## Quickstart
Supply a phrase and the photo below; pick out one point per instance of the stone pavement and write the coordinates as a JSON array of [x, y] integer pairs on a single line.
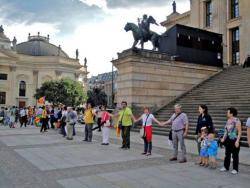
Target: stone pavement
[[29, 159]]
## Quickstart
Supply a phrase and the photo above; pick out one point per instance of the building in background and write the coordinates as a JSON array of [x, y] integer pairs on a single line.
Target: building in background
[[104, 81], [25, 66], [227, 17]]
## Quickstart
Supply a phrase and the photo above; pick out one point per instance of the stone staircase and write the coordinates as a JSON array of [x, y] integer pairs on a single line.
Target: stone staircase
[[229, 88]]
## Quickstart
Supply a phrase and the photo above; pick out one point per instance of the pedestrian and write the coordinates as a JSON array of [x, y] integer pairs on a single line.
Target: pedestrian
[[16, 114], [2, 115], [63, 121], [44, 120], [231, 141], [106, 125], [7, 117], [89, 115], [179, 127], [52, 118], [99, 113], [147, 121], [76, 116], [204, 120], [30, 115], [71, 120], [12, 117], [126, 118], [248, 131], [23, 117]]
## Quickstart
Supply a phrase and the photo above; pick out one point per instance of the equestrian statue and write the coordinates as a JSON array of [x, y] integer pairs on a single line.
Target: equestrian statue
[[142, 32]]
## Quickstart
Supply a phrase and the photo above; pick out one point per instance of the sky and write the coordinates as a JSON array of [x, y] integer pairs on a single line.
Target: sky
[[95, 27]]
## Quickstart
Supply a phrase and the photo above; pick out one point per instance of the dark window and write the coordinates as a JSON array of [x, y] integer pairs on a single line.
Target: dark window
[[235, 10], [208, 13], [22, 89], [2, 97], [3, 76], [236, 45]]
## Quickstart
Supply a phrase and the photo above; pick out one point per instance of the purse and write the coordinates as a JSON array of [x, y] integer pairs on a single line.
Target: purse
[[107, 123], [142, 130]]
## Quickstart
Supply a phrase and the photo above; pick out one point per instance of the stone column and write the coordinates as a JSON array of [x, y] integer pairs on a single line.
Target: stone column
[[12, 88]]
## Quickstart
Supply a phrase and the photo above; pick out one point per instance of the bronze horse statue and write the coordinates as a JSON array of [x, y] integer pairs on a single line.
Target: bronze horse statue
[[142, 32], [138, 36]]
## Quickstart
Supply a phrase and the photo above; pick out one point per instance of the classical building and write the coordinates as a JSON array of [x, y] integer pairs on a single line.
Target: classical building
[[25, 66], [227, 17], [105, 81]]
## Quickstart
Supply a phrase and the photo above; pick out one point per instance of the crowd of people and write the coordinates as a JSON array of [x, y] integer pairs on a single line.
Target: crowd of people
[[208, 140]]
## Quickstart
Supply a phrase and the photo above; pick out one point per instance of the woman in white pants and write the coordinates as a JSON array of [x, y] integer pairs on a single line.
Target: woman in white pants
[[106, 125]]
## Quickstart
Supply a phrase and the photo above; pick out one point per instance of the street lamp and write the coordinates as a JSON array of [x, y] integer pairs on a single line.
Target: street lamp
[[112, 90]]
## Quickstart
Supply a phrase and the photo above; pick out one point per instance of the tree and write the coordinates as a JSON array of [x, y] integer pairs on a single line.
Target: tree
[[64, 91], [97, 97]]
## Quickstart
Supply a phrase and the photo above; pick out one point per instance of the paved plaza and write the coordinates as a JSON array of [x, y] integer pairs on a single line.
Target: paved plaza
[[29, 159]]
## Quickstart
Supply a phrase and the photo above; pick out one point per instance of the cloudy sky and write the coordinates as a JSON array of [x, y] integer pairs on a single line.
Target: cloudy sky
[[95, 27]]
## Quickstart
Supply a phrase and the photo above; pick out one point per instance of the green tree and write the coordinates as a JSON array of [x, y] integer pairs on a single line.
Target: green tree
[[65, 91], [97, 97]]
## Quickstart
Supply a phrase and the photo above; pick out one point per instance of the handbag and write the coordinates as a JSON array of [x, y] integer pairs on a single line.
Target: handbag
[[107, 123], [170, 135], [142, 130], [120, 122]]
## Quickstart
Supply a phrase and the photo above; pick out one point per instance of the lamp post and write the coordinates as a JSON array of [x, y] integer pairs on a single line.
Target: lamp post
[[112, 87]]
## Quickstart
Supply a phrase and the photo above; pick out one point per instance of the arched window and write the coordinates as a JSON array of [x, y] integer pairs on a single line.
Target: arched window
[[22, 88]]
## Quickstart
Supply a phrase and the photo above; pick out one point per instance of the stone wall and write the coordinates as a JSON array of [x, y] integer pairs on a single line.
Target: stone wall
[[147, 78]]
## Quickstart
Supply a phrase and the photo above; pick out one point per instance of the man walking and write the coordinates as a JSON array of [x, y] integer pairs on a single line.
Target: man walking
[[179, 122], [126, 119], [71, 121]]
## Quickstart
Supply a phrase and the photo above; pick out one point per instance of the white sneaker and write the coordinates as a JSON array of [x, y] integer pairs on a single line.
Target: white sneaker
[[234, 172], [223, 169]]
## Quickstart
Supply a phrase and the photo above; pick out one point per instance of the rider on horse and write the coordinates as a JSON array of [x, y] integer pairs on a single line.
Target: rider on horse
[[144, 26]]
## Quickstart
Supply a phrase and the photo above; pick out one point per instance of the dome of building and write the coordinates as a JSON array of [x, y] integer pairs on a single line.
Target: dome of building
[[39, 46]]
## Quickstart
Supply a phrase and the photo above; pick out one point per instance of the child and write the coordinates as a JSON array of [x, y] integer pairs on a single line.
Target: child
[[147, 120], [203, 153], [212, 150]]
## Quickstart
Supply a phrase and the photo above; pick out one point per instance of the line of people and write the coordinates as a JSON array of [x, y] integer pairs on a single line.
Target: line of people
[[123, 119], [207, 140]]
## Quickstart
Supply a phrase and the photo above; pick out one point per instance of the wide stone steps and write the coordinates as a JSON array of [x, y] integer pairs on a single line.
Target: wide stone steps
[[229, 88]]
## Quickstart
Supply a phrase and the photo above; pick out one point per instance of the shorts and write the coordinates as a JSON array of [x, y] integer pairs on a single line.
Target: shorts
[[212, 153], [203, 153]]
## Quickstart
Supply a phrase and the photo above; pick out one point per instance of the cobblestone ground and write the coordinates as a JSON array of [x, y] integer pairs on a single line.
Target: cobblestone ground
[[29, 159]]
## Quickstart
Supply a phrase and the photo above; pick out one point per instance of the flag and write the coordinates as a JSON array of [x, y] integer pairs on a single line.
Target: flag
[[41, 100]]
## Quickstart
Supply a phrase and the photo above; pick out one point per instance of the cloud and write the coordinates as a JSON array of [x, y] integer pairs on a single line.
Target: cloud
[[67, 14], [138, 3]]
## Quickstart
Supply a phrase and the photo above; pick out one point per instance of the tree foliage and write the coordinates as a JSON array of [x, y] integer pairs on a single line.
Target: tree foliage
[[64, 91], [97, 97]]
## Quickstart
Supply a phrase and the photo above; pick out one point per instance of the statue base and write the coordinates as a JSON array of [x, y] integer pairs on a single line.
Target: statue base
[[149, 78]]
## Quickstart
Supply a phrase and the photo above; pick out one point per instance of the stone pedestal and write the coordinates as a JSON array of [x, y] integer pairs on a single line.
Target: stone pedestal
[[147, 78]]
